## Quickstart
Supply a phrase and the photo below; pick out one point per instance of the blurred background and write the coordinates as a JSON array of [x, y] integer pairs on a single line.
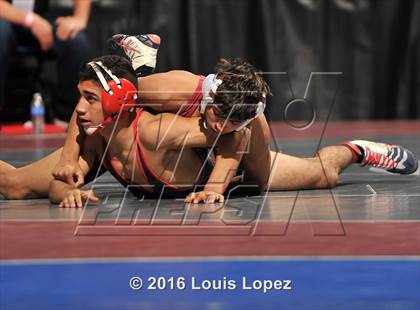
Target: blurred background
[[372, 44]]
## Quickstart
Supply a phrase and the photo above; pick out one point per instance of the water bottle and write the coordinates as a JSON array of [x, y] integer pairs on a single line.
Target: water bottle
[[37, 113]]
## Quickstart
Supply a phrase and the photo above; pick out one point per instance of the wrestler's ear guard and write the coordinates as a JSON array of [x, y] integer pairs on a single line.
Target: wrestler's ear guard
[[260, 110], [210, 85], [116, 93]]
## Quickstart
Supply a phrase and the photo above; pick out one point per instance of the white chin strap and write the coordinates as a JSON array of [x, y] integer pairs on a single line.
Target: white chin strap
[[92, 130], [209, 88]]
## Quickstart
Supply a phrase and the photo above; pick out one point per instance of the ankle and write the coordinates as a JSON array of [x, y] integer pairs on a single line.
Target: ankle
[[356, 151]]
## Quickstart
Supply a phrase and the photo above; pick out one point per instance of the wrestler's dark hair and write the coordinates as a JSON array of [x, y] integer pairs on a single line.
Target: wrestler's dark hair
[[242, 88], [118, 65]]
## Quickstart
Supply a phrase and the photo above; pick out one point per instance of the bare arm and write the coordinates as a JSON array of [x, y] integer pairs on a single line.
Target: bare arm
[[59, 189], [82, 10], [70, 26], [11, 14], [74, 136], [168, 91], [68, 169], [229, 151], [40, 28]]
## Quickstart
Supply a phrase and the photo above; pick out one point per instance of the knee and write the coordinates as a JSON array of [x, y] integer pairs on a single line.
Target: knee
[[328, 179], [14, 189], [332, 179]]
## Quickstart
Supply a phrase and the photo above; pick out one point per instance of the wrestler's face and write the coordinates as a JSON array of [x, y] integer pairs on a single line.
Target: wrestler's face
[[217, 123], [89, 108]]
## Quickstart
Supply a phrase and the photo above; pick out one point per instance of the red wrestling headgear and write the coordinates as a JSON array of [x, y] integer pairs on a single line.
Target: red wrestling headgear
[[117, 94]]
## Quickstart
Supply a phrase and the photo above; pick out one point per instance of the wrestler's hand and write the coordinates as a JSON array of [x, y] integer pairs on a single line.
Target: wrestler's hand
[[69, 27], [204, 196], [70, 172], [75, 198], [42, 30]]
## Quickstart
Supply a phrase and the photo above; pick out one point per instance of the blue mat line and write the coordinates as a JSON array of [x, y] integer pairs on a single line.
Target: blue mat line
[[315, 284]]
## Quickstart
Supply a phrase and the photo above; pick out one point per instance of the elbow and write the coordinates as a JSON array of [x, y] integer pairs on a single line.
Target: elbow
[[52, 196], [53, 192]]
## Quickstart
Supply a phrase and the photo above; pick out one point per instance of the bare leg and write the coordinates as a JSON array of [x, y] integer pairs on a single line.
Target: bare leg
[[292, 173], [31, 181], [277, 171]]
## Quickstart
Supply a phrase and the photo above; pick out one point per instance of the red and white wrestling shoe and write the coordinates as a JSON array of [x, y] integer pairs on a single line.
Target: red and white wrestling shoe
[[141, 50], [393, 158]]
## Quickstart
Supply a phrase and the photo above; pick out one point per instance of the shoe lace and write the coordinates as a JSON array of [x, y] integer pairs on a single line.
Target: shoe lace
[[376, 159], [131, 49]]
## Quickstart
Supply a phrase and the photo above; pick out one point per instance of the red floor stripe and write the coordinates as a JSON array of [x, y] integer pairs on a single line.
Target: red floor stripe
[[19, 129], [36, 240]]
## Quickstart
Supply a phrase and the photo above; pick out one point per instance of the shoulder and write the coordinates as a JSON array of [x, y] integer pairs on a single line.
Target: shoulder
[[147, 126]]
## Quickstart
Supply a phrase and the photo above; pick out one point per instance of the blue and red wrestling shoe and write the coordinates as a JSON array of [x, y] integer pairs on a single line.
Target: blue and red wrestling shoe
[[141, 50], [393, 158]]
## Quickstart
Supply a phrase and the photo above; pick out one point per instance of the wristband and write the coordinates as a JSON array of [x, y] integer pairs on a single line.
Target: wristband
[[29, 20]]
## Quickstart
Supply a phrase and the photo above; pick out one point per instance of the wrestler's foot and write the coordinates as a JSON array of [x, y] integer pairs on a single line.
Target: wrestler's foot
[[141, 50], [393, 158]]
